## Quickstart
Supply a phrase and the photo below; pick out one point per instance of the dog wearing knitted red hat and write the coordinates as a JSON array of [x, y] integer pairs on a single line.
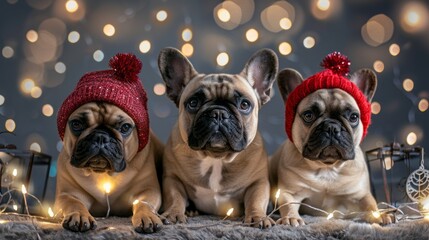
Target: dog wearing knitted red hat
[[108, 149], [321, 163]]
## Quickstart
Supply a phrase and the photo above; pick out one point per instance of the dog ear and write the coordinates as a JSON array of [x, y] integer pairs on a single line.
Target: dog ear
[[288, 79], [261, 70], [176, 71], [366, 80]]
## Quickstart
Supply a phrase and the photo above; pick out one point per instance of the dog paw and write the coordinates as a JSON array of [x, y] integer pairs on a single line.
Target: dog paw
[[174, 216], [383, 219], [146, 222], [292, 221], [192, 213], [79, 222], [259, 221]]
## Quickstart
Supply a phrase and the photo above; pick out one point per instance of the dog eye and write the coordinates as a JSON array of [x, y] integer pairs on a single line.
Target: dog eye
[[308, 116], [245, 105], [193, 103], [76, 126], [354, 117], [126, 128]]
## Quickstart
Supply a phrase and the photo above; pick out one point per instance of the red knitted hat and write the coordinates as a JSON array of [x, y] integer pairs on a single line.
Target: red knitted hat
[[120, 86], [334, 76]]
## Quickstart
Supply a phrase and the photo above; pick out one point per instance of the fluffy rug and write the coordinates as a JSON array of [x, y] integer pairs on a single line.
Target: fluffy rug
[[209, 227]]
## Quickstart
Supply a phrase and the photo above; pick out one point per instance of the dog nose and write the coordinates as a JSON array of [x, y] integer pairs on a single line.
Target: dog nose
[[101, 138], [219, 114], [332, 128]]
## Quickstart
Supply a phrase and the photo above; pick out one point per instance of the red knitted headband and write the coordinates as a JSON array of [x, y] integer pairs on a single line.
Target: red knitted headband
[[336, 68]]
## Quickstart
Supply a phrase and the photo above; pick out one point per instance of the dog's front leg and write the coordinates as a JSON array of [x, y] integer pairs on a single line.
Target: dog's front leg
[[145, 218], [289, 209], [76, 215], [255, 204], [174, 200], [369, 205]]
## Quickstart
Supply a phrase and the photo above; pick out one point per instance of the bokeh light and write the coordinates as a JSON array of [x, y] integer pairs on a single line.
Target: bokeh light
[[159, 89], [47, 110], [285, 48], [98, 55], [411, 138], [7, 52], [223, 15], [278, 16], [32, 36], [187, 35], [222, 59], [285, 23], [423, 105], [375, 108], [414, 17], [10, 125], [227, 15], [60, 67], [408, 85], [2, 99], [394, 49], [45, 49], [378, 66], [73, 37], [144, 46], [309, 42], [252, 35], [36, 92], [35, 147], [187, 49], [378, 30], [109, 30], [71, 6], [323, 5], [26, 85], [161, 15], [324, 9]]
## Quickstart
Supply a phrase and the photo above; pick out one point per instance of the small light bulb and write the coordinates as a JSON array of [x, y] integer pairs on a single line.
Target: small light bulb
[[50, 212], [278, 194], [107, 187], [15, 207], [426, 217], [136, 201], [331, 215], [23, 189], [376, 214], [426, 206], [15, 172], [229, 212]]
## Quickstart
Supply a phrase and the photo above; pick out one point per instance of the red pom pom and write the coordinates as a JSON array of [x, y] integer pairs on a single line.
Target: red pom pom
[[126, 65], [336, 62]]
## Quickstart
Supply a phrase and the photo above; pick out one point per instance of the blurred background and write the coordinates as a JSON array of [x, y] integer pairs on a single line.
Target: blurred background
[[47, 45]]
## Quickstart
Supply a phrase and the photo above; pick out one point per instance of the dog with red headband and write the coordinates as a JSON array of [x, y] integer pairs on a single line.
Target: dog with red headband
[[321, 163]]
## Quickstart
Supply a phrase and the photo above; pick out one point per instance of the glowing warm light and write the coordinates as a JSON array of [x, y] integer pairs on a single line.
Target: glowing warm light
[[35, 147], [159, 89], [26, 85], [73, 37], [23, 189], [414, 17], [330, 215], [14, 172], [36, 92], [323, 5], [47, 110], [252, 35], [426, 217], [378, 66], [186, 34], [376, 214], [107, 187], [423, 105], [223, 15], [378, 30], [408, 85], [60, 67], [3, 221], [230, 211], [109, 30], [7, 52], [15, 207], [222, 59], [2, 99], [278, 194], [161, 15], [285, 23], [388, 162], [32, 36], [411, 138], [187, 49], [72, 6], [98, 55], [394, 49], [144, 46], [10, 125], [375, 108], [285, 48], [309, 42], [50, 212], [136, 201]]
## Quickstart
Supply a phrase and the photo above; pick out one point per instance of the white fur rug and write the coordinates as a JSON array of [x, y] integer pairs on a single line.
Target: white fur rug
[[209, 227]]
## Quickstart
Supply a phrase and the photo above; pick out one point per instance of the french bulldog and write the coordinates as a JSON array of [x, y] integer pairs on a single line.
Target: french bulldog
[[324, 165], [214, 157]]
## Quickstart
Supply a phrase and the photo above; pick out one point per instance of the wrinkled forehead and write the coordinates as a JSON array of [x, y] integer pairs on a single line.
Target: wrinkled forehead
[[100, 112], [328, 100], [216, 86]]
